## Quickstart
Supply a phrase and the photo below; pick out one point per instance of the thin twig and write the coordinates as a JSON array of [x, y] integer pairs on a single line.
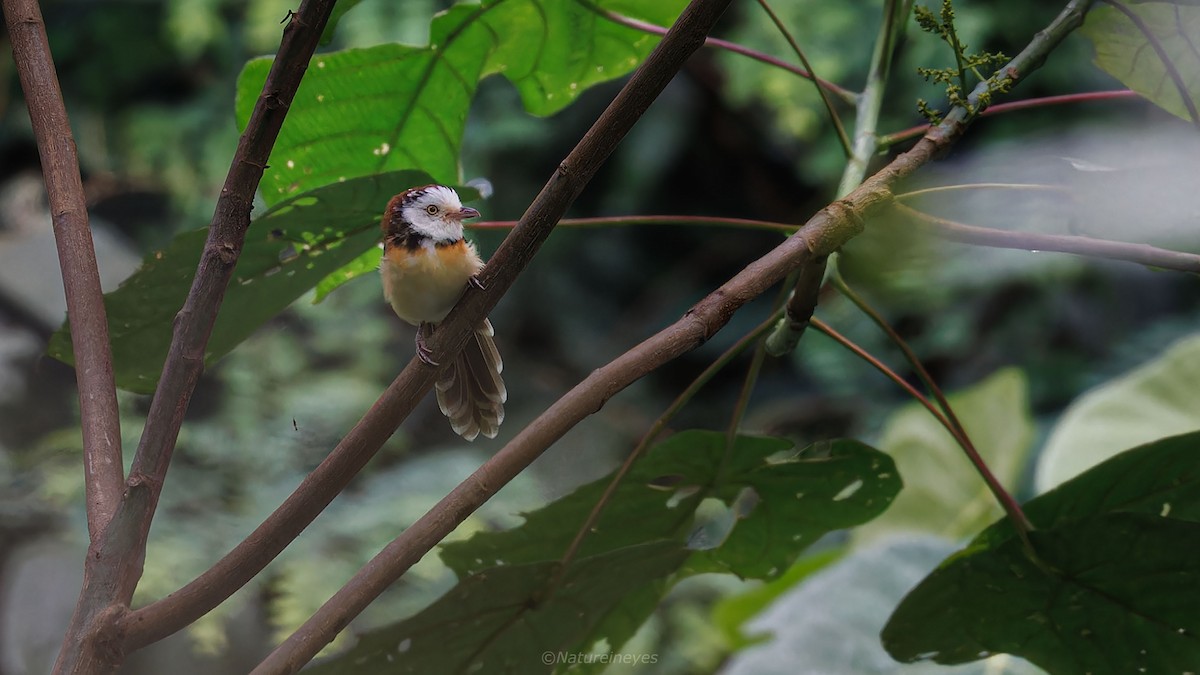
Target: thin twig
[[909, 355], [1024, 104], [845, 94], [665, 418], [1021, 524], [625, 221], [829, 109], [114, 562], [1142, 254], [951, 421], [892, 375], [103, 469], [1033, 187]]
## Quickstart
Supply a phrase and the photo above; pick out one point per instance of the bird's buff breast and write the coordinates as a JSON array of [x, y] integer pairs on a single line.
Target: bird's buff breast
[[423, 284]]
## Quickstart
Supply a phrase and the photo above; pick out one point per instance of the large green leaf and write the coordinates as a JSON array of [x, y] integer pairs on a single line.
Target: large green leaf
[[1128, 51], [942, 492], [1160, 478], [288, 250], [1116, 593], [782, 501], [1113, 588], [1154, 400], [389, 107], [777, 502], [490, 623]]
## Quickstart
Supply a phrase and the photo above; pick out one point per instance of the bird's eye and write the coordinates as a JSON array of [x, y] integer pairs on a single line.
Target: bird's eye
[[432, 209]]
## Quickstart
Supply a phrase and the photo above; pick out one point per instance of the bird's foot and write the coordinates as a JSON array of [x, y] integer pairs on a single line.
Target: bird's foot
[[423, 351]]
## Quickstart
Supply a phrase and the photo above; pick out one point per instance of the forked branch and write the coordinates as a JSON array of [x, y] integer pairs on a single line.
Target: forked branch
[[114, 563]]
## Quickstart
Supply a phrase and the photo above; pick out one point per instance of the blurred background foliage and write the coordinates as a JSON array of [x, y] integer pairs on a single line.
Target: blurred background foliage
[[150, 88]]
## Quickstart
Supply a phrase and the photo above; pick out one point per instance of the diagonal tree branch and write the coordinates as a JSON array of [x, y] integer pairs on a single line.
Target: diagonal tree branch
[[318, 489], [114, 561], [823, 234], [103, 469]]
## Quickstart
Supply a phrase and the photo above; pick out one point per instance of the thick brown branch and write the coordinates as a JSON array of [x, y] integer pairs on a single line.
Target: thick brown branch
[[1143, 254], [104, 472], [162, 618], [114, 562]]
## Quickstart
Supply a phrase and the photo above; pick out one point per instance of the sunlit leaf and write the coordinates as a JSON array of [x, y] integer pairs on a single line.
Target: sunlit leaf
[[364, 264], [1154, 400], [943, 494], [1128, 51], [288, 250], [390, 107]]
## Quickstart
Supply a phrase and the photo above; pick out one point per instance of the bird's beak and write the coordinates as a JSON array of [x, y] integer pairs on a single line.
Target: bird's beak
[[467, 212]]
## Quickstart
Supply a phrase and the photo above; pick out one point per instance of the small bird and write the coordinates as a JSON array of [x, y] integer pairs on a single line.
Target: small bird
[[426, 267]]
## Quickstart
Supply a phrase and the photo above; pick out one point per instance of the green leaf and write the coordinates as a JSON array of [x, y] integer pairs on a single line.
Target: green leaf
[[1127, 52], [389, 107], [490, 623], [364, 264], [789, 500], [1115, 593], [1160, 478], [782, 506], [1155, 400], [776, 502], [288, 250], [1116, 578], [943, 494]]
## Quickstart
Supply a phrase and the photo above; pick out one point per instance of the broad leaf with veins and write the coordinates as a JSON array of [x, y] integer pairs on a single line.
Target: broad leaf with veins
[[393, 106], [288, 250], [691, 505]]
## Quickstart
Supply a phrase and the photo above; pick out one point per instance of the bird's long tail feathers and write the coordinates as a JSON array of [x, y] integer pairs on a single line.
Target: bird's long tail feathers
[[470, 391]]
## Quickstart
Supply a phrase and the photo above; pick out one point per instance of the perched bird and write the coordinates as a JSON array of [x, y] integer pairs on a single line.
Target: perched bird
[[426, 267]]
